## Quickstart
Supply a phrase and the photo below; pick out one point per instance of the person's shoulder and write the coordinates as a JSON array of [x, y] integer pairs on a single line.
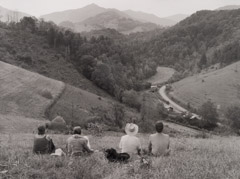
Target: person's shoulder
[[48, 137], [166, 135], [152, 135], [136, 138], [86, 137], [124, 136], [69, 138]]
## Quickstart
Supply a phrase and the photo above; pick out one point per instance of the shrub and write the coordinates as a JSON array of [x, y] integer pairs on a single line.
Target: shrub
[[58, 124], [46, 94], [209, 113], [233, 114], [132, 99]]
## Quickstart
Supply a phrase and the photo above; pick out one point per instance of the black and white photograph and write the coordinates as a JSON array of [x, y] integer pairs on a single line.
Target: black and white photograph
[[119, 89]]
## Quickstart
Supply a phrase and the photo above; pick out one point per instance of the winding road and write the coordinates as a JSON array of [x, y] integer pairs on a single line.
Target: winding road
[[176, 107]]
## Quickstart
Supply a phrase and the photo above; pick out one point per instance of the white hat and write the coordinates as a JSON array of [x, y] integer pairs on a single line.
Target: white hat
[[58, 152], [131, 129]]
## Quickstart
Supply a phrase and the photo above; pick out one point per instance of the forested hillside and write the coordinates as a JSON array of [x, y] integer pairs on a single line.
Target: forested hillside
[[203, 39], [109, 63]]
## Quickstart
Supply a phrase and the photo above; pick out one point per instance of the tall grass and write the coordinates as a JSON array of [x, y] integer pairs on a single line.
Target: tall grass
[[190, 158]]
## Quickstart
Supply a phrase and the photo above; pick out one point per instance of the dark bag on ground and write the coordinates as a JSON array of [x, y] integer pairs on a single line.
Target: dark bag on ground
[[113, 156]]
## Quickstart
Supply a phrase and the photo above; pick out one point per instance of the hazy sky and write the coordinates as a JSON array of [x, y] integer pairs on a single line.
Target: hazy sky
[[160, 8]]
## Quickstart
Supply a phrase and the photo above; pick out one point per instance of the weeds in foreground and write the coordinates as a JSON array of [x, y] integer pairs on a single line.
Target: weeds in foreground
[[213, 157]]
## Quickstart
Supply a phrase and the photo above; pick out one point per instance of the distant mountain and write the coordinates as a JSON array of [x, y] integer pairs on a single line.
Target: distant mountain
[[145, 17], [229, 7], [74, 15], [81, 14], [111, 19], [10, 15], [177, 17]]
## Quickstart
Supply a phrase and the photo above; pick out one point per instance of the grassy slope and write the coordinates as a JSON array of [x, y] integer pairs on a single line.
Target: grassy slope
[[163, 75], [79, 105], [210, 158], [17, 45], [22, 92], [22, 95], [221, 86]]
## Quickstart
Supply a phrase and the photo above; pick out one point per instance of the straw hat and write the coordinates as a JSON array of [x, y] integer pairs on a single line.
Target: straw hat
[[131, 129]]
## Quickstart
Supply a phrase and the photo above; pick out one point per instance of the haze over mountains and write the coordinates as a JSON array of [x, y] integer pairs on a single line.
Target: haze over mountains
[[93, 17], [229, 7], [7, 15]]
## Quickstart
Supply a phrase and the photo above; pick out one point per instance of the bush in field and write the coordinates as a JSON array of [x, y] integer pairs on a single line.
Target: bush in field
[[233, 113], [132, 99], [46, 94], [209, 113], [58, 124]]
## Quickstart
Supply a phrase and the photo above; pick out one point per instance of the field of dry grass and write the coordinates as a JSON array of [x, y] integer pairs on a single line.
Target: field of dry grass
[[221, 86], [211, 158], [79, 106], [33, 96], [24, 93], [163, 74]]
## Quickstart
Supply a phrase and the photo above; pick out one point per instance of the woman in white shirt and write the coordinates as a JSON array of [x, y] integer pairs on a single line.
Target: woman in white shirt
[[129, 143]]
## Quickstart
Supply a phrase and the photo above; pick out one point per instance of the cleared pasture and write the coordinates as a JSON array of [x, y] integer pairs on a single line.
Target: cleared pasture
[[24, 93], [163, 74], [221, 87]]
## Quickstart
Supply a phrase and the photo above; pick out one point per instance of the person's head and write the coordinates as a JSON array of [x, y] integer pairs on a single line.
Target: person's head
[[131, 129], [159, 126], [77, 130], [41, 130]]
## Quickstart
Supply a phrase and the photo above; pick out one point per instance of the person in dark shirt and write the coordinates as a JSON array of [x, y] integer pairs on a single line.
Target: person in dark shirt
[[43, 144]]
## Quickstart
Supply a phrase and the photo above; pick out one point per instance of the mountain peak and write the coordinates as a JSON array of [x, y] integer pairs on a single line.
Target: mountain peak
[[93, 5]]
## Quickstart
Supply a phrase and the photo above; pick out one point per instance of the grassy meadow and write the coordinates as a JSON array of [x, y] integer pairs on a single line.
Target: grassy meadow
[[24, 93], [190, 157], [163, 74], [220, 86]]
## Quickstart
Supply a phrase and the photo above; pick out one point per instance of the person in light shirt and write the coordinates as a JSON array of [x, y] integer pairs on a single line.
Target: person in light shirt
[[129, 143], [159, 143]]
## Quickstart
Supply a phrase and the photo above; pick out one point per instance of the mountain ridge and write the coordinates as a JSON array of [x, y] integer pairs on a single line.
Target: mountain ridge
[[110, 19], [81, 14]]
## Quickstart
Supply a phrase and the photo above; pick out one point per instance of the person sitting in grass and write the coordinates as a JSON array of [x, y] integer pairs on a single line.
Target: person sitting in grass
[[130, 143], [159, 142], [43, 144], [77, 144]]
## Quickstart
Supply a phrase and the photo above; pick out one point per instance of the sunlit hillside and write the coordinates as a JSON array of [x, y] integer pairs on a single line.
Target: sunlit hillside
[[24, 93], [220, 86]]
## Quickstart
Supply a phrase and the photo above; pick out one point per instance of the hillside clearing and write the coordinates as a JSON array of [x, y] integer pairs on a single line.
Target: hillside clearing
[[24, 93], [163, 74], [76, 105], [221, 87], [14, 124], [210, 158]]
